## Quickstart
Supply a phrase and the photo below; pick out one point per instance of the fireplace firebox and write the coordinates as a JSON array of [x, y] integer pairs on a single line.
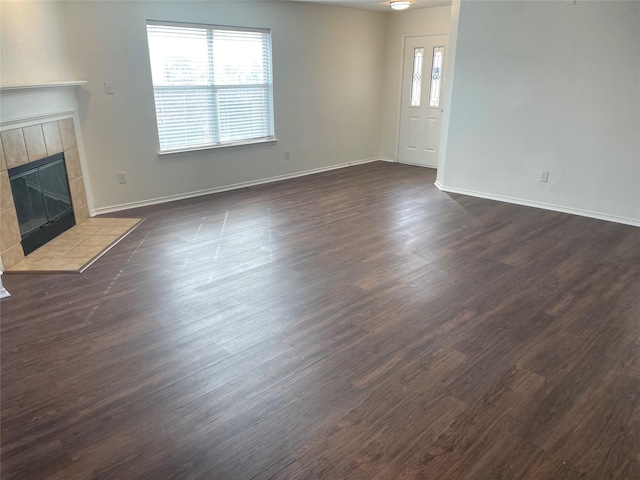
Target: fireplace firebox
[[43, 204]]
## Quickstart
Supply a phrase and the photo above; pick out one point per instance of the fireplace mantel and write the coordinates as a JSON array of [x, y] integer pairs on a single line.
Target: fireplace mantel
[[35, 103], [40, 86]]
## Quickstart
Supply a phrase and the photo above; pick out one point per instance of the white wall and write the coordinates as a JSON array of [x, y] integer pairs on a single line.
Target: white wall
[[327, 86], [412, 21], [33, 45], [548, 86]]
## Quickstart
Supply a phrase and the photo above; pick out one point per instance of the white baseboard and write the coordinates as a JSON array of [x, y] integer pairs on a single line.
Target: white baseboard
[[388, 159], [545, 206], [225, 188]]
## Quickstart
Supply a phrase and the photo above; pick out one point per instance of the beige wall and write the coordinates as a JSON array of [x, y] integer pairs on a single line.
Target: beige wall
[[336, 77], [327, 89], [419, 21], [33, 44], [547, 86]]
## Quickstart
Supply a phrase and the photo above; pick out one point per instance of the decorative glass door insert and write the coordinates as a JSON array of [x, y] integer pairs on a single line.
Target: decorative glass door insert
[[416, 78], [436, 76]]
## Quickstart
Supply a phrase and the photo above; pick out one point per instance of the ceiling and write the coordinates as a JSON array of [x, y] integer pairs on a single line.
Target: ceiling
[[379, 5]]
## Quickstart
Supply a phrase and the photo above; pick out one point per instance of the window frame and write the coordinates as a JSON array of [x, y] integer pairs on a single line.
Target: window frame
[[246, 142]]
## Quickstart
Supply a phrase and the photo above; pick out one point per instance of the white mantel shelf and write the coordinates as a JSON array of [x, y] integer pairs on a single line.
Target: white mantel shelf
[[24, 105], [40, 86]]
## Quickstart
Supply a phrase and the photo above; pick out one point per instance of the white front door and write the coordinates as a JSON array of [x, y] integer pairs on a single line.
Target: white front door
[[421, 103]]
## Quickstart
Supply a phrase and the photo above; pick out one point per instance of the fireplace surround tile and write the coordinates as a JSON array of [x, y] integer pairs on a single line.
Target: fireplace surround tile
[[78, 193], [52, 138], [6, 198], [34, 140], [3, 162], [15, 150], [68, 133], [72, 161], [10, 230], [81, 213], [12, 255]]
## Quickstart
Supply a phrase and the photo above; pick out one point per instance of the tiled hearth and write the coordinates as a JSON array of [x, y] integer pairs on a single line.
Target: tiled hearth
[[25, 145], [77, 248]]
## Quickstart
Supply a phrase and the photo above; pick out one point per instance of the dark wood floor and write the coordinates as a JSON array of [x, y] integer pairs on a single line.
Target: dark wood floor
[[355, 324]]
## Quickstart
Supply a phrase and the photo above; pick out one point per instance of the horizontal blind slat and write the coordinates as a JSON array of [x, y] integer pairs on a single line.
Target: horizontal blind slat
[[211, 85]]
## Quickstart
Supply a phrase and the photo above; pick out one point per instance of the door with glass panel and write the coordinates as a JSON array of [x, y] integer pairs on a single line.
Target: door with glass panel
[[422, 94]]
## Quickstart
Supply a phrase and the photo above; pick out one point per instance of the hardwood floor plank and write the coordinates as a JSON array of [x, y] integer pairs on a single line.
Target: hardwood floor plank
[[608, 424], [353, 324]]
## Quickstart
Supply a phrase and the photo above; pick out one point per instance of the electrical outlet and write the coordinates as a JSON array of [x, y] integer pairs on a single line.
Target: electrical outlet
[[287, 154], [122, 177], [544, 176], [108, 88]]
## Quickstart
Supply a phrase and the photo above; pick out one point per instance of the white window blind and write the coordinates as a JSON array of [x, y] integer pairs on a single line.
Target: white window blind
[[212, 85]]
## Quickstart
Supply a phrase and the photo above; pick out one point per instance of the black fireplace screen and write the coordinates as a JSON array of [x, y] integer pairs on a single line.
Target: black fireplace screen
[[43, 204]]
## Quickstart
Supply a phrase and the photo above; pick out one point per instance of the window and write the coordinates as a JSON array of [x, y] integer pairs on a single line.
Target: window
[[436, 77], [416, 77], [212, 85]]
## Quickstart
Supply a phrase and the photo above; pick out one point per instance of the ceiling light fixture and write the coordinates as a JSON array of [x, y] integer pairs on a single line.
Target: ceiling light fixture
[[399, 5]]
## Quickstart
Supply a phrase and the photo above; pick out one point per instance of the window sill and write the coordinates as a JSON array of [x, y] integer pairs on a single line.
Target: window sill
[[206, 148]]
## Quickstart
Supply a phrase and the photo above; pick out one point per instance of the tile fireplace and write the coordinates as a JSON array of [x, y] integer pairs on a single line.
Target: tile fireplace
[[38, 122]]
